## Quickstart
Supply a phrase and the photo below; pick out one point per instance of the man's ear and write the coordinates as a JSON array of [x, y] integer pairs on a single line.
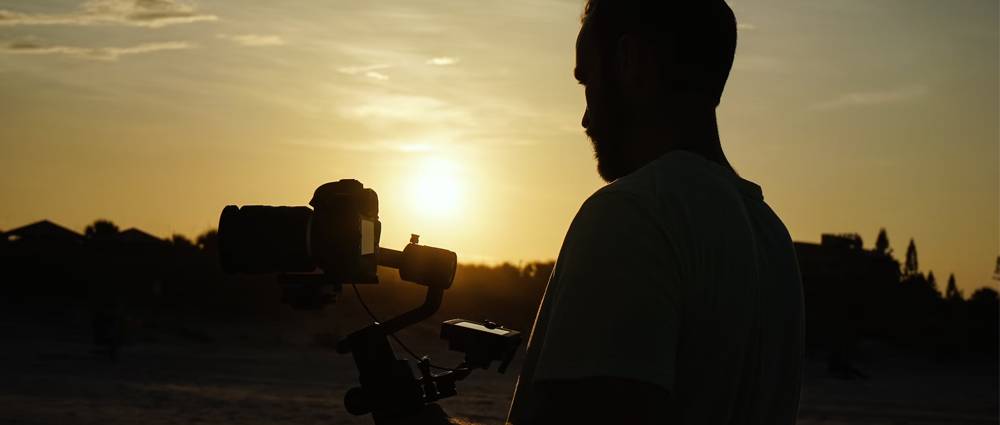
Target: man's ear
[[634, 65]]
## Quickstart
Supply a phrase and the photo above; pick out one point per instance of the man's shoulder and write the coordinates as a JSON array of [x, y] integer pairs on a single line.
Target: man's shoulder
[[669, 181]]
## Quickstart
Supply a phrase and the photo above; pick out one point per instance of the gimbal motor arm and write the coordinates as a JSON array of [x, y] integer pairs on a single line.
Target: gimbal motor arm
[[388, 386]]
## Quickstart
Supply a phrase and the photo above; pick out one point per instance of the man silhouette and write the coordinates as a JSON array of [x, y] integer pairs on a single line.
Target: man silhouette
[[676, 297]]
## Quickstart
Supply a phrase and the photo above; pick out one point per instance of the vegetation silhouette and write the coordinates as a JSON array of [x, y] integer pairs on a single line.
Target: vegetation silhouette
[[882, 243], [100, 229], [129, 280], [996, 270], [952, 293]]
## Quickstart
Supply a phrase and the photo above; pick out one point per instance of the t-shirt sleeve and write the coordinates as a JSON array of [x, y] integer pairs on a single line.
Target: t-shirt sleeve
[[617, 296]]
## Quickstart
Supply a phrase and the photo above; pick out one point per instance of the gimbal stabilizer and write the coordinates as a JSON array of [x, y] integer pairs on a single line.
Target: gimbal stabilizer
[[341, 237]]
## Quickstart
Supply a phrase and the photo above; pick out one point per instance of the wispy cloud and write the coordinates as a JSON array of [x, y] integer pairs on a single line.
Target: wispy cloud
[[97, 53], [875, 98], [254, 40], [392, 111], [443, 61], [354, 70], [378, 146], [140, 13], [366, 70]]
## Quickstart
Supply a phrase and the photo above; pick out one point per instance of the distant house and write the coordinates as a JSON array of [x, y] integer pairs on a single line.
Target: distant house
[[135, 236], [850, 241], [841, 260], [846, 288], [43, 232]]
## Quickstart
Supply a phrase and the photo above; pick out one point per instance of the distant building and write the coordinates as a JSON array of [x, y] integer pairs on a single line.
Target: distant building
[[846, 288], [836, 255], [43, 232], [135, 236], [848, 241]]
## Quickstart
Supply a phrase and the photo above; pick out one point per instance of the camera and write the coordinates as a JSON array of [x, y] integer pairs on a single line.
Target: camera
[[334, 241], [339, 236]]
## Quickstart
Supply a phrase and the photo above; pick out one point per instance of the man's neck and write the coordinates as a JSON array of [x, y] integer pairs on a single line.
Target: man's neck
[[698, 135]]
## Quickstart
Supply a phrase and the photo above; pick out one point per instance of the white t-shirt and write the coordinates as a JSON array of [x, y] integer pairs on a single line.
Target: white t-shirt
[[681, 276]]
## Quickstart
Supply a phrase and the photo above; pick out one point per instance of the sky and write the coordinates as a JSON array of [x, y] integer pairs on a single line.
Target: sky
[[853, 115]]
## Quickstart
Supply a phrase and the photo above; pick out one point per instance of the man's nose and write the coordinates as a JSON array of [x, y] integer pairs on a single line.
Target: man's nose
[[586, 118]]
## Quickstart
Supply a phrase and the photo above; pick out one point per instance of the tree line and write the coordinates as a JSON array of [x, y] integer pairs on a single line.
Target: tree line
[[864, 294]]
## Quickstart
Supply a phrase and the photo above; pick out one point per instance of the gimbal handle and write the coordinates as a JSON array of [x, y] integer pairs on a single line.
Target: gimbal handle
[[423, 265], [388, 386], [430, 306]]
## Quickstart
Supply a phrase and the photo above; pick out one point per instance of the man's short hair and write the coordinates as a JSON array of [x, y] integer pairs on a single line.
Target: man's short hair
[[701, 33]]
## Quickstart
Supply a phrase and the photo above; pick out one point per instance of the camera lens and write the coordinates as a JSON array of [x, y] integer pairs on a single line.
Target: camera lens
[[265, 239]]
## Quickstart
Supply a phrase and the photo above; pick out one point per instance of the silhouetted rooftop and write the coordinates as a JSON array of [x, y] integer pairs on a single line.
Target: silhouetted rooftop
[[136, 236], [43, 230]]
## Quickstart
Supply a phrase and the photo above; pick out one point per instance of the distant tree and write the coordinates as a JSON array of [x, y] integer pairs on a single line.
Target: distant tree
[[208, 244], [985, 294], [923, 290], [911, 266], [984, 306], [100, 229], [882, 244], [181, 242], [952, 293], [996, 271], [208, 241]]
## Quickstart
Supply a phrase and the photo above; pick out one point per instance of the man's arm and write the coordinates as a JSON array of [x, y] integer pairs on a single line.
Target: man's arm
[[610, 343], [609, 350]]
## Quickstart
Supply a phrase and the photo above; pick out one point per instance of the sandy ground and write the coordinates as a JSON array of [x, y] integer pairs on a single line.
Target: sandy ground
[[51, 375]]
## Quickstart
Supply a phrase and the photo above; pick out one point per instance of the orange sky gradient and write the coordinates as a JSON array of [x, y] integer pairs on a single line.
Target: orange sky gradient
[[852, 115]]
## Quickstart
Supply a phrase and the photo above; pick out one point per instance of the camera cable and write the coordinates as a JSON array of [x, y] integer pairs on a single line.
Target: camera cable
[[393, 336]]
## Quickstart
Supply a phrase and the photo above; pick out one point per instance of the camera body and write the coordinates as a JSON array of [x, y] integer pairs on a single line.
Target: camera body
[[339, 235], [345, 231]]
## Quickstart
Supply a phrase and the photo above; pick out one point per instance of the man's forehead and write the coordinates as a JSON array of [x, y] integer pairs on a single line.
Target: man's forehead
[[585, 47]]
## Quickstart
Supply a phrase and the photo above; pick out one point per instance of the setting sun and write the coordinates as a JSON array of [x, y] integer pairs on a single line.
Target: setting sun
[[436, 189]]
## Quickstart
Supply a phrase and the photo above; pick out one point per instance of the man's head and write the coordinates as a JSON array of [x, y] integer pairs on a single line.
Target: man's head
[[650, 63]]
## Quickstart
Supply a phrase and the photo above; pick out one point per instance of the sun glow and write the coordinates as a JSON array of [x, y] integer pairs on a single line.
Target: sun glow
[[436, 189]]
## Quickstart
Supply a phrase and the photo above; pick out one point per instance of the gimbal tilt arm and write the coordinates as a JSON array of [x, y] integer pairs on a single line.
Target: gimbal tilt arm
[[388, 387]]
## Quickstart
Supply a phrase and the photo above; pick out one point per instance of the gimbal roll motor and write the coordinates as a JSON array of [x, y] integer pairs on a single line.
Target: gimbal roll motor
[[339, 236]]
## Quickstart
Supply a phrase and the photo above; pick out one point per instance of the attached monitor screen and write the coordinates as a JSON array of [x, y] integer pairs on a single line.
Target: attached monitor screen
[[478, 327]]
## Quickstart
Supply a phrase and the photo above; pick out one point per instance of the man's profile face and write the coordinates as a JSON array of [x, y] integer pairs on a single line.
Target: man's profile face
[[603, 117]]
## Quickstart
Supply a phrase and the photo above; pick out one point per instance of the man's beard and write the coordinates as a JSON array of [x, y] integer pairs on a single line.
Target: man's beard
[[607, 134]]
